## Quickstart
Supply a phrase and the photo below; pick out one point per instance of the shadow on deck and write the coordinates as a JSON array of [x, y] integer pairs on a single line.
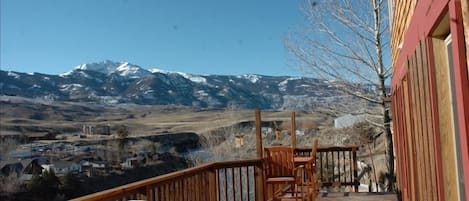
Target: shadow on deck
[[357, 197], [346, 196]]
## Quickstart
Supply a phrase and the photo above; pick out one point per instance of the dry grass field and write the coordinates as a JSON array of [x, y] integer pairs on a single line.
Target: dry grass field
[[24, 116]]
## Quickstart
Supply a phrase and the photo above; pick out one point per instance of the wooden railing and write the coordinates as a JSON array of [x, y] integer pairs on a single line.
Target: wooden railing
[[335, 165], [231, 181], [221, 181]]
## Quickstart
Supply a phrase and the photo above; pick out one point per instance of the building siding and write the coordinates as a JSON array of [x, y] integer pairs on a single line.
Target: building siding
[[402, 14], [430, 136]]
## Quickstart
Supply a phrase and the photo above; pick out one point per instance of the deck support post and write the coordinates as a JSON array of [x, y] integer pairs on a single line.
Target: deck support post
[[258, 133], [293, 130], [258, 172]]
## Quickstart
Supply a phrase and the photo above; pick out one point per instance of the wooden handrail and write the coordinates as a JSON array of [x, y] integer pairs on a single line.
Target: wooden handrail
[[142, 183], [324, 149], [123, 191]]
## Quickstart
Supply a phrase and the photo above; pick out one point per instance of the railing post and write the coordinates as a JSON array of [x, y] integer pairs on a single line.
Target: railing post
[[258, 172], [293, 130], [259, 177], [258, 133]]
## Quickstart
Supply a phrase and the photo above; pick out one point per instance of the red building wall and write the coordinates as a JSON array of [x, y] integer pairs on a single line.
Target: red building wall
[[431, 141]]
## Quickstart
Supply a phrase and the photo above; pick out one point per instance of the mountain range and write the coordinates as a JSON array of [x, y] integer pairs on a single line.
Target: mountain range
[[111, 82]]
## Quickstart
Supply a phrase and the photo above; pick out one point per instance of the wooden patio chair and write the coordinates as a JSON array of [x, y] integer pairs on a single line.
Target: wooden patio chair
[[312, 183], [280, 170]]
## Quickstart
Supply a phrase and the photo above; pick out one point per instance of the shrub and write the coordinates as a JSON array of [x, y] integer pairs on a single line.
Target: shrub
[[45, 185], [10, 184]]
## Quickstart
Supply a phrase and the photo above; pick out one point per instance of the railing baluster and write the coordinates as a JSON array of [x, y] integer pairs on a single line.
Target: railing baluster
[[197, 187], [255, 187], [233, 181], [173, 191], [351, 171], [240, 184], [345, 171], [322, 169], [201, 186], [334, 166], [192, 188], [176, 191], [181, 189], [184, 189], [218, 185], [226, 184], [166, 192], [158, 195], [355, 173], [204, 186], [248, 190], [338, 165]]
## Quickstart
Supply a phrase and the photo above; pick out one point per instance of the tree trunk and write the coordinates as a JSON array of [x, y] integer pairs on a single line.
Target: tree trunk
[[374, 167], [389, 150]]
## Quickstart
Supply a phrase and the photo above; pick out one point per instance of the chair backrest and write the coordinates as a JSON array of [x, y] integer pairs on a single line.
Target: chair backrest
[[279, 161]]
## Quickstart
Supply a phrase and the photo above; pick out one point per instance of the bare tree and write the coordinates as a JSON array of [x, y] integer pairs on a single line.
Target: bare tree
[[7, 144], [122, 131], [347, 42]]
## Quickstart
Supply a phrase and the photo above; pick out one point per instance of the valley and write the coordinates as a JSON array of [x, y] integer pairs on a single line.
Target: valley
[[111, 123]]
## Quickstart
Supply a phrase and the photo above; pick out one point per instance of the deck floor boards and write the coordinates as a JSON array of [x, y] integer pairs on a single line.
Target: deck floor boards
[[357, 197], [353, 197]]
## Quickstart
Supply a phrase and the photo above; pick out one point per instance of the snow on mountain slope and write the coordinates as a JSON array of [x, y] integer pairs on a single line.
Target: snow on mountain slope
[[157, 70], [252, 78], [132, 71], [193, 78], [124, 69], [122, 82]]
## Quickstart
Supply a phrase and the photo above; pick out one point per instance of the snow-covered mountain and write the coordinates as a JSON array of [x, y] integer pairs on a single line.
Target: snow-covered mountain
[[121, 82], [108, 67]]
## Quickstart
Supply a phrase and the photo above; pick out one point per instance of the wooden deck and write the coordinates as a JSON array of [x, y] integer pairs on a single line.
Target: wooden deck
[[357, 197], [354, 197]]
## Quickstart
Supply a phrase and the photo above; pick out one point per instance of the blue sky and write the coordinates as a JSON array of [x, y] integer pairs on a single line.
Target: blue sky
[[194, 36]]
